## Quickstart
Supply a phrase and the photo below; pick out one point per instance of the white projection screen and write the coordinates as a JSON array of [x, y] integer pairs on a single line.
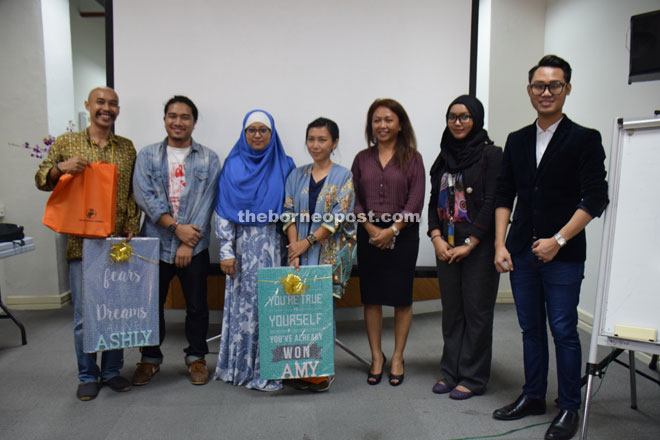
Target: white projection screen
[[297, 59]]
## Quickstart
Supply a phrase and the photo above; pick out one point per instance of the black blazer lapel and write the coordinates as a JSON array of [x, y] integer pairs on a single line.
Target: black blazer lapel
[[529, 148], [555, 143]]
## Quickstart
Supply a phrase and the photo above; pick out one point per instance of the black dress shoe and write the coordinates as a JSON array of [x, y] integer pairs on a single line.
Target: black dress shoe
[[564, 426], [88, 391], [522, 407]]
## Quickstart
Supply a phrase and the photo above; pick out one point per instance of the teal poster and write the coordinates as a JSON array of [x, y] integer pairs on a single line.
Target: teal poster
[[296, 323]]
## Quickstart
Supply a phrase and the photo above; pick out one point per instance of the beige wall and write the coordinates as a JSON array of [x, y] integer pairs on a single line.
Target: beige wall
[[88, 48], [516, 31], [30, 278], [516, 44], [592, 35]]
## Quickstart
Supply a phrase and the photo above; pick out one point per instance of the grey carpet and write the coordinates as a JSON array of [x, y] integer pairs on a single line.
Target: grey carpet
[[38, 384]]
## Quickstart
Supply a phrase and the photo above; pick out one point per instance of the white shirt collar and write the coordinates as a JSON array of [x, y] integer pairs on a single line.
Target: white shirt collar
[[550, 129]]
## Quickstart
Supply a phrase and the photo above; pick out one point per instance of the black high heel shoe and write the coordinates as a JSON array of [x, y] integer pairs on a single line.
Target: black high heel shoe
[[397, 377], [374, 379]]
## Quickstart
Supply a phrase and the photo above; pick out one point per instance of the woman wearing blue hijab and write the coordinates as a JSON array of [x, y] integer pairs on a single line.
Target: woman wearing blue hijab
[[250, 196]]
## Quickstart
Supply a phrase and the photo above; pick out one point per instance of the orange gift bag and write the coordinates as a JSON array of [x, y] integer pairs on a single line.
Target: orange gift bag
[[84, 204]]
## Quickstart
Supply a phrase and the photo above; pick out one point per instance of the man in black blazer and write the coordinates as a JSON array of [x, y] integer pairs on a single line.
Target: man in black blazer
[[555, 169]]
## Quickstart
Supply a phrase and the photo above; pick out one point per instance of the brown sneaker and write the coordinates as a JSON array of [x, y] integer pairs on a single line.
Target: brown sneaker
[[322, 386], [199, 375], [144, 372]]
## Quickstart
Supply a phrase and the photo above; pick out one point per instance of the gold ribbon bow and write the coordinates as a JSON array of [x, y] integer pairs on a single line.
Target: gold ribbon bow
[[121, 252], [293, 284]]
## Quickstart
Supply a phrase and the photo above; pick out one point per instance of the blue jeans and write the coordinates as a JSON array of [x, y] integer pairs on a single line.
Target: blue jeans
[[111, 361], [553, 290]]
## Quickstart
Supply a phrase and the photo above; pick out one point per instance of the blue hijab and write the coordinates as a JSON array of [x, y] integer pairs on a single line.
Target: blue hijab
[[253, 180]]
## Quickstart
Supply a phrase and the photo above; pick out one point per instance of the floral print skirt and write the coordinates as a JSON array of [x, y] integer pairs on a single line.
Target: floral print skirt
[[238, 358]]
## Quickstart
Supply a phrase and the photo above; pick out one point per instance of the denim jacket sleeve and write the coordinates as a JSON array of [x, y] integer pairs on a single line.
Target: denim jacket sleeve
[[148, 185], [202, 207]]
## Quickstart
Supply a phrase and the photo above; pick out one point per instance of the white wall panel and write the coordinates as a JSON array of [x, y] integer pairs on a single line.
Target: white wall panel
[[296, 59]]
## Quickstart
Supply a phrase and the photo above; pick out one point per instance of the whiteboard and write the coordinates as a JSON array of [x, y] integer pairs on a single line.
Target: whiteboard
[[297, 59], [629, 279]]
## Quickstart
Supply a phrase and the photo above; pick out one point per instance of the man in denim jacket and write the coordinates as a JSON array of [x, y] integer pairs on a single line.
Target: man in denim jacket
[[175, 184]]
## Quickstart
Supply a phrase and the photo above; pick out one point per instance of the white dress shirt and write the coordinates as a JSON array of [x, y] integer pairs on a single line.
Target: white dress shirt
[[543, 138]]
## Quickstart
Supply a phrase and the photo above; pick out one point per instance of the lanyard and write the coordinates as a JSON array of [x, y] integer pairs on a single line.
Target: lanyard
[[451, 200]]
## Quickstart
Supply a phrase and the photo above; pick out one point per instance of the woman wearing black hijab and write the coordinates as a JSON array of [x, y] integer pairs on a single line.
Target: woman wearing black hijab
[[463, 180]]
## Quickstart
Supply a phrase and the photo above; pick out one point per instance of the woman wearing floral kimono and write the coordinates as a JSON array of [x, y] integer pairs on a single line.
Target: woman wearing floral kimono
[[319, 196]]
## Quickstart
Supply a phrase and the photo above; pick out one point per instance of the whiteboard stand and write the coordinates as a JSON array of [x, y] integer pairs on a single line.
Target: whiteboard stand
[[628, 271], [351, 352]]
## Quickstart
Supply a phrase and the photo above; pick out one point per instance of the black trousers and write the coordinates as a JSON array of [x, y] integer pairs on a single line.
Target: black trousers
[[193, 283], [468, 290]]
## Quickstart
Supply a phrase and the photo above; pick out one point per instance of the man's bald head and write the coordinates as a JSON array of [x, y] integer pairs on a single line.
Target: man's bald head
[[108, 90], [103, 107]]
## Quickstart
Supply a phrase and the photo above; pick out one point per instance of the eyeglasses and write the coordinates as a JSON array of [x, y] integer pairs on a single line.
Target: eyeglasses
[[463, 117], [555, 88], [262, 131]]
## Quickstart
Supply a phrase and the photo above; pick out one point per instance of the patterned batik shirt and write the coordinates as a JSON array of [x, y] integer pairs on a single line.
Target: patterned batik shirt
[[117, 150]]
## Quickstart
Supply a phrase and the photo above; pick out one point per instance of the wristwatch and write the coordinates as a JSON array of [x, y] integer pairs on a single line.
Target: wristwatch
[[561, 241], [172, 227], [395, 229], [468, 242]]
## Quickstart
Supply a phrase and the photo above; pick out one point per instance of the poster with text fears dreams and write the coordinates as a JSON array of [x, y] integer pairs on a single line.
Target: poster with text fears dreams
[[296, 323], [120, 293]]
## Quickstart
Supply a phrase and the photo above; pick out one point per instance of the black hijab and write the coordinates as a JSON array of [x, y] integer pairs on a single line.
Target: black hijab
[[455, 154]]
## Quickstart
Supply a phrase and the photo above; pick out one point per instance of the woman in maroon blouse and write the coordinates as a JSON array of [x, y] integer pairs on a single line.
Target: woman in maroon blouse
[[389, 187]]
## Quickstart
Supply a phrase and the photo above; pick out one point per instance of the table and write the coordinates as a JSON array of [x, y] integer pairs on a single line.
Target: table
[[9, 249]]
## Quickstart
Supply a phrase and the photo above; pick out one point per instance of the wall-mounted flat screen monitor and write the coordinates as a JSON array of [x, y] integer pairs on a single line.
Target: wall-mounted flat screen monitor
[[644, 47]]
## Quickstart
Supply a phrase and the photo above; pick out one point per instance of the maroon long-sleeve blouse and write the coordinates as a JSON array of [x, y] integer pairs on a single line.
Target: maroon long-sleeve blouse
[[388, 190]]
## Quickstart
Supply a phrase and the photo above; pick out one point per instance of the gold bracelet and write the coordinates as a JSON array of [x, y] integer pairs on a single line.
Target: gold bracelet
[[311, 239]]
